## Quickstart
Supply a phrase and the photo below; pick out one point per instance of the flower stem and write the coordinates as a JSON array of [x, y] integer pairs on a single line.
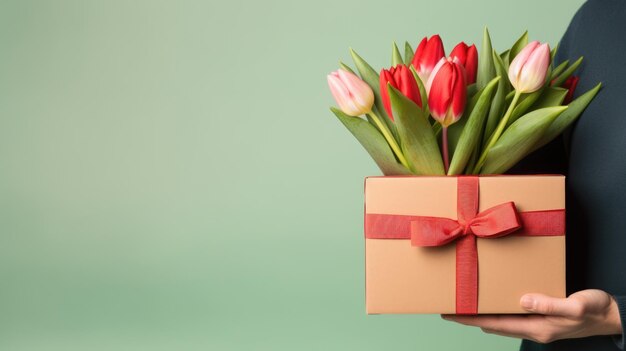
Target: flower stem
[[497, 133], [390, 139], [444, 143]]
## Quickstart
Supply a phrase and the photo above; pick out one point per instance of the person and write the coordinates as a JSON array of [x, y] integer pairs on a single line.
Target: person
[[592, 155]]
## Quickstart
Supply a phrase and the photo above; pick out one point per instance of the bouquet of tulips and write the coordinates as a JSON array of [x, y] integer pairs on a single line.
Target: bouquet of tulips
[[489, 109]]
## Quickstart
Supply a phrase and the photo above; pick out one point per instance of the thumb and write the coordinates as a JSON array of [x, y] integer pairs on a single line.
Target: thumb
[[543, 304]]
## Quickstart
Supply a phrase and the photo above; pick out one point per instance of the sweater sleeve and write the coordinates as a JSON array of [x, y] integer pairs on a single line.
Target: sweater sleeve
[[621, 305]]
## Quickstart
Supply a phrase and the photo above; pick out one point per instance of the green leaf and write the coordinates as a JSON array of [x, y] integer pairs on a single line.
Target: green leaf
[[436, 129], [345, 67], [558, 81], [518, 46], [455, 130], [496, 111], [418, 140], [471, 163], [525, 103], [472, 131], [574, 110], [486, 69], [370, 77], [505, 58], [373, 142], [422, 89], [472, 89], [553, 53], [408, 53], [518, 140], [551, 96], [559, 69], [396, 57]]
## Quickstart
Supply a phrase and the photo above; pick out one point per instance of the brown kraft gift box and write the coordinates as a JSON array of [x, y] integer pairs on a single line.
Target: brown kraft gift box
[[402, 277]]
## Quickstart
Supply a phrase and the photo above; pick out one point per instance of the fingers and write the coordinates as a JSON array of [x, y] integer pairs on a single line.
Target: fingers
[[543, 304], [495, 323], [531, 327]]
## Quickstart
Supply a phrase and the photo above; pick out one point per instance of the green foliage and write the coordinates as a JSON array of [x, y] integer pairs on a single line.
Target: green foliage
[[472, 131], [408, 53], [534, 120], [565, 119], [486, 69], [418, 140], [373, 142], [519, 139]]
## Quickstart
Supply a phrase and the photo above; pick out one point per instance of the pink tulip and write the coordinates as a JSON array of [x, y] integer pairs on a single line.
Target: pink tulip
[[528, 70], [447, 96], [427, 54], [353, 95]]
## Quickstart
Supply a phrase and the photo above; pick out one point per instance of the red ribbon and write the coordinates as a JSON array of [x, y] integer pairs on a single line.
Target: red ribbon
[[497, 221]]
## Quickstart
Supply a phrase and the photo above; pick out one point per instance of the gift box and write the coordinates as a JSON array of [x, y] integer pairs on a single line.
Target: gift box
[[465, 245]]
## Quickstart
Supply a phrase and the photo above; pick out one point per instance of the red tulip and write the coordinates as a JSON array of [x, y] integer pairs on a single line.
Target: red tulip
[[468, 56], [570, 84], [401, 78], [447, 95], [427, 54]]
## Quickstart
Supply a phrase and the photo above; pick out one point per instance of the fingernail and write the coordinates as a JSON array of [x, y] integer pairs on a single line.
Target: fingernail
[[527, 302]]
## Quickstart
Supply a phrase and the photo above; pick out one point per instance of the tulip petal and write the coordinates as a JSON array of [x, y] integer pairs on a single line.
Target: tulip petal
[[440, 94], [459, 92], [533, 73], [427, 55], [429, 81], [515, 68], [361, 94], [339, 91], [460, 51], [471, 64]]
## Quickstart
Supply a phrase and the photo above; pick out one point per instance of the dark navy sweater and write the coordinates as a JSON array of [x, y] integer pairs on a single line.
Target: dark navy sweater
[[592, 154]]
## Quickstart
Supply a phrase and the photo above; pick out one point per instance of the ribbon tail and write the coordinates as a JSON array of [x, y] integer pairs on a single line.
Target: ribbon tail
[[466, 275]]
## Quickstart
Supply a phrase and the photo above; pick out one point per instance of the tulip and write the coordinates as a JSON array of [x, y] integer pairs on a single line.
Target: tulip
[[401, 78], [446, 98], [570, 84], [356, 98], [447, 92], [353, 95], [528, 70], [468, 56], [427, 54], [527, 74]]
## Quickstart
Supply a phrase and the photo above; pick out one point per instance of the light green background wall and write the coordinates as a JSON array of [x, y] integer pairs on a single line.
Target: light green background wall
[[171, 177]]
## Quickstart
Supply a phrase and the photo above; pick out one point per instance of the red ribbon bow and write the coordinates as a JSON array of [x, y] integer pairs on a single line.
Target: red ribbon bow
[[494, 222], [497, 221]]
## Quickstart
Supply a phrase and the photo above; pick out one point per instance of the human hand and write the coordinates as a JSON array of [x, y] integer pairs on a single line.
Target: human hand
[[585, 313]]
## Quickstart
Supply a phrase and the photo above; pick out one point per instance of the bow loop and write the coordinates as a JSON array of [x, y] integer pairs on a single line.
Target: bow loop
[[494, 222]]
